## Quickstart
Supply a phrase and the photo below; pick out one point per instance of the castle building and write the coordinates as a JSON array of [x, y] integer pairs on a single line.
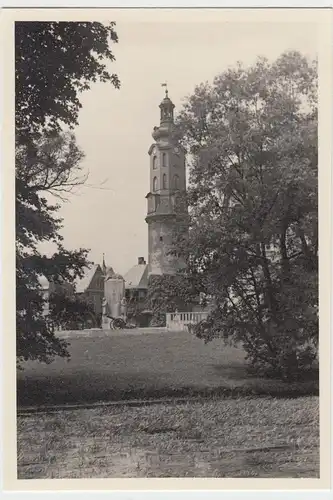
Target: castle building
[[136, 281], [166, 209], [91, 287], [167, 184]]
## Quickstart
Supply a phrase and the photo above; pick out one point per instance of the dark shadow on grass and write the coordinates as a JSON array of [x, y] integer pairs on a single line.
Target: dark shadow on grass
[[120, 368], [65, 390], [236, 371]]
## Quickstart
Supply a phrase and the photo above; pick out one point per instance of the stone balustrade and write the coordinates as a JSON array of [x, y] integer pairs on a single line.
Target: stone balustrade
[[180, 320]]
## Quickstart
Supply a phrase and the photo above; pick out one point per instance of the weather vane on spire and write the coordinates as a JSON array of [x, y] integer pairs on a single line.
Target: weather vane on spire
[[166, 88]]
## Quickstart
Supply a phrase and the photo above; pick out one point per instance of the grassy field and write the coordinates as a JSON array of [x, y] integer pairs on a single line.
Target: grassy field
[[135, 365], [246, 437]]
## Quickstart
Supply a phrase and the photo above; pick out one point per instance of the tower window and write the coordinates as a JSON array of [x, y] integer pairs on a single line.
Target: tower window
[[155, 162], [155, 184], [164, 160], [175, 182], [161, 238], [164, 181], [157, 202]]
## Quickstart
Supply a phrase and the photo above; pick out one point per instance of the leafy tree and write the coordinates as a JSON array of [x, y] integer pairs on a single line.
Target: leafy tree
[[168, 293], [54, 63], [253, 239], [72, 312]]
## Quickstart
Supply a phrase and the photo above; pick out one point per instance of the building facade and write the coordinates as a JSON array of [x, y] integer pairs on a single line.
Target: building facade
[[136, 281], [91, 288], [167, 185]]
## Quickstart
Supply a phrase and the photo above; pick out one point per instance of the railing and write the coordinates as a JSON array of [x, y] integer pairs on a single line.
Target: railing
[[180, 320]]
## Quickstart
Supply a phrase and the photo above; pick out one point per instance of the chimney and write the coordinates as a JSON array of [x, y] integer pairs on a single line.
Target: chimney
[[141, 261]]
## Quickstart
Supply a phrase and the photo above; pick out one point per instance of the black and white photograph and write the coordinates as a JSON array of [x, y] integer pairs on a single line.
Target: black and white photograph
[[167, 244]]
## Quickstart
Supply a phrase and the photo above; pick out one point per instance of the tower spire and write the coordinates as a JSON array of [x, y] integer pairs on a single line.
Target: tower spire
[[166, 88], [166, 107], [164, 199], [103, 264]]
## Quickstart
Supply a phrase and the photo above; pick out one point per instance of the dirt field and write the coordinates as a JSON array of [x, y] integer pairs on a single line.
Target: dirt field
[[261, 437]]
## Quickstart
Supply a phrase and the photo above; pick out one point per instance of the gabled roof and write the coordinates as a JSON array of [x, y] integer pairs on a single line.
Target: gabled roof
[[83, 283], [137, 277]]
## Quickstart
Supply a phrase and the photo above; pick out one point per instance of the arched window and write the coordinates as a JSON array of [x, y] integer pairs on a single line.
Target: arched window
[[175, 182], [164, 181], [164, 160], [155, 184], [155, 162]]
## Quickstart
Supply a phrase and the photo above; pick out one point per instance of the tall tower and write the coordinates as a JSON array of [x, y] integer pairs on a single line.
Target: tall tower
[[167, 183]]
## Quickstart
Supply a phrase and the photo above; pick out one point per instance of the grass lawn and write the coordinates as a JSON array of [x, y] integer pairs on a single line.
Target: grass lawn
[[135, 365], [246, 437]]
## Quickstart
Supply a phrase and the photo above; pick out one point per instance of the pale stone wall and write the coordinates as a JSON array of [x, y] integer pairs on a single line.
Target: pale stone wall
[[167, 177], [114, 291], [159, 261]]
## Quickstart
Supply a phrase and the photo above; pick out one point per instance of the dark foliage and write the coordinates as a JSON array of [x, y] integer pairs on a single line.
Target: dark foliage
[[253, 238], [168, 293], [54, 62], [72, 312]]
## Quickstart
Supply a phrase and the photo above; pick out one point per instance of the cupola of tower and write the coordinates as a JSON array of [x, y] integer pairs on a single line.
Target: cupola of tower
[[166, 118], [166, 108]]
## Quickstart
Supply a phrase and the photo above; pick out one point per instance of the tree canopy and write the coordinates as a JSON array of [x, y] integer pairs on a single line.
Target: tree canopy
[[72, 312], [251, 137], [54, 63], [168, 293]]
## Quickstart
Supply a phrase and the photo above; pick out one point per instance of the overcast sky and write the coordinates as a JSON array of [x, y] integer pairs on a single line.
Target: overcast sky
[[116, 125]]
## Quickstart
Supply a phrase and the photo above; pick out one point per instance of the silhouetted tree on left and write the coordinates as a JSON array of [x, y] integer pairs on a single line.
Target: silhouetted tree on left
[[54, 62]]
